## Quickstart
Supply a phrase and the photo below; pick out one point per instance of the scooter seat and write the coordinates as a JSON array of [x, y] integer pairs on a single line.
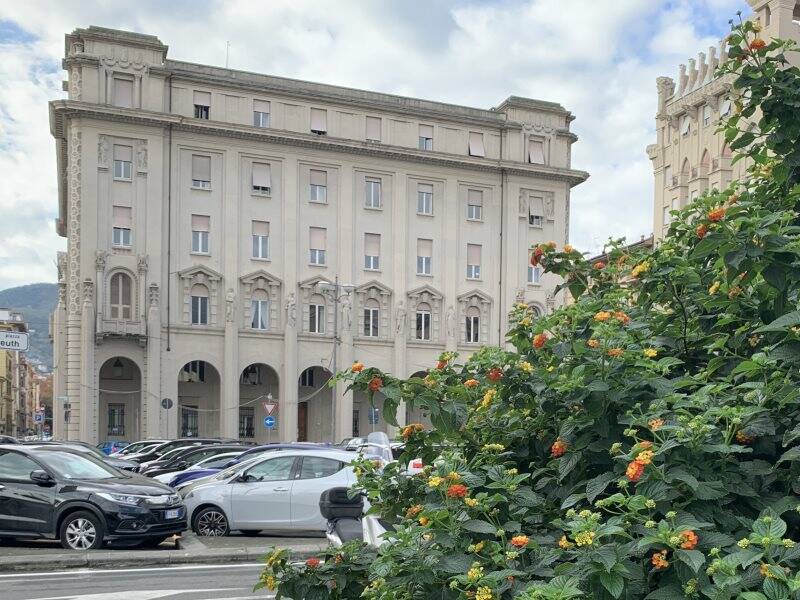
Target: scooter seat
[[348, 530]]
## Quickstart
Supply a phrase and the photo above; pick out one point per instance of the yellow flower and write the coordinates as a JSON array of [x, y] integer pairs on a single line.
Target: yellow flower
[[484, 593], [650, 352], [645, 457], [550, 369], [525, 321], [488, 397], [494, 447], [424, 521], [435, 481], [526, 366], [564, 543], [453, 476], [643, 267], [271, 583], [584, 538], [568, 248], [714, 288], [603, 315], [472, 502], [475, 573]]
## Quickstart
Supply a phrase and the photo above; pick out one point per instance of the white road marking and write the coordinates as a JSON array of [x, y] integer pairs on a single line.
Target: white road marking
[[72, 572], [136, 595]]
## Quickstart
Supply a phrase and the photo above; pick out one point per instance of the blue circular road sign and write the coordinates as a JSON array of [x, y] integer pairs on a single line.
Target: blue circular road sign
[[269, 422]]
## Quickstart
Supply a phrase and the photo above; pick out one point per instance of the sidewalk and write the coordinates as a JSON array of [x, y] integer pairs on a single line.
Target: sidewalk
[[47, 555]]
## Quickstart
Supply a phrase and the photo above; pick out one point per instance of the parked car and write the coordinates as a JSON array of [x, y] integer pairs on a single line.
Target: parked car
[[138, 447], [189, 476], [186, 457], [111, 447], [155, 452], [88, 449], [279, 491], [50, 491], [7, 439], [210, 462]]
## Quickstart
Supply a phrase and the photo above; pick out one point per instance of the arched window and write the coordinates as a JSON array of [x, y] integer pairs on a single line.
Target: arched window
[[316, 314], [536, 310], [796, 13], [686, 167], [199, 294], [371, 318], [726, 151], [705, 161], [473, 325], [121, 296], [423, 331], [259, 306]]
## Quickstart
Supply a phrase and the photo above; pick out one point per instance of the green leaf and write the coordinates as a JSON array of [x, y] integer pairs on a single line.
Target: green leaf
[[791, 454], [782, 323], [694, 559], [752, 596], [455, 563], [479, 526], [668, 592], [613, 582], [606, 555], [596, 486]]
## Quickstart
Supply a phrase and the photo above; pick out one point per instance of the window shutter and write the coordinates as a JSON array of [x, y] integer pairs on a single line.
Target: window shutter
[[318, 177], [201, 167], [260, 228], [425, 188], [319, 118], [261, 175], [123, 153], [122, 217], [260, 106], [374, 128], [536, 151], [424, 247], [475, 197], [317, 238], [201, 222], [123, 92], [537, 206], [202, 98], [473, 254], [476, 144], [685, 123], [372, 244], [426, 131]]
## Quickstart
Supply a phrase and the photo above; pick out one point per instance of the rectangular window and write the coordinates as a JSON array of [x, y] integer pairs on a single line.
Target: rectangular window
[[199, 310], [260, 310], [262, 178], [373, 193], [707, 115], [686, 125], [307, 378], [202, 104], [261, 113], [423, 330], [474, 205], [116, 419], [371, 322], [316, 318], [426, 137], [536, 151], [317, 237], [201, 172], [189, 421], [201, 225], [247, 422], [424, 254], [194, 372], [473, 329], [318, 186], [123, 92], [534, 274], [476, 144], [536, 211], [122, 224], [424, 199], [473, 261], [372, 251], [319, 121], [260, 239], [373, 129], [123, 162]]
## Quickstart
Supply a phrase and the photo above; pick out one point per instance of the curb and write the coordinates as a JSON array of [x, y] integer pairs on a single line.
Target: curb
[[122, 558]]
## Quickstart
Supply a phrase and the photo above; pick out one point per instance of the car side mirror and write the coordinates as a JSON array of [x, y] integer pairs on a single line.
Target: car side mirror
[[245, 478], [41, 477]]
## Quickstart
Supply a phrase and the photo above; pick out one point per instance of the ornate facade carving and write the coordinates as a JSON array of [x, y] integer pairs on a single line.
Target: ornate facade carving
[[377, 292], [75, 83], [74, 221], [202, 276], [548, 203], [479, 301], [100, 258], [61, 266], [271, 285], [308, 290], [103, 146], [153, 296], [88, 291], [291, 310], [141, 156], [142, 263]]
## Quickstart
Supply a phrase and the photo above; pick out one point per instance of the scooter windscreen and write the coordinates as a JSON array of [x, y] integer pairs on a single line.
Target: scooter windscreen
[[378, 446]]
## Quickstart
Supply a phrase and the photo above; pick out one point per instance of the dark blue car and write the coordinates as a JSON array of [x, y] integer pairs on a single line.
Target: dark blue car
[[181, 478]]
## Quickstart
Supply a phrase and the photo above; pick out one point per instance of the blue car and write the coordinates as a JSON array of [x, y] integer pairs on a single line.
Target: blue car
[[187, 476], [111, 447]]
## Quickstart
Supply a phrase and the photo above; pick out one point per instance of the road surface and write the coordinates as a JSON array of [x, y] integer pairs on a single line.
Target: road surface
[[187, 582]]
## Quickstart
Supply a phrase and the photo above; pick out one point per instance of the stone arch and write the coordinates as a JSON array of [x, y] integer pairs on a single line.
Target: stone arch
[[314, 405], [111, 278], [686, 167], [199, 399], [120, 399], [705, 160], [258, 383]]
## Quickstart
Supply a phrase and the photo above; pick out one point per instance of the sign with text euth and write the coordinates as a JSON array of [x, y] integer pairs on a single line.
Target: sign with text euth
[[11, 340]]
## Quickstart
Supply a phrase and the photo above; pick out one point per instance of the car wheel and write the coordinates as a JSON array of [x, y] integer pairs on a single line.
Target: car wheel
[[251, 532], [81, 531], [211, 522]]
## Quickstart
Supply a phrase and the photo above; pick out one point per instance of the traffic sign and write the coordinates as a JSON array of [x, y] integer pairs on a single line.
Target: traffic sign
[[373, 415], [38, 417], [13, 340], [166, 403], [269, 422], [269, 407]]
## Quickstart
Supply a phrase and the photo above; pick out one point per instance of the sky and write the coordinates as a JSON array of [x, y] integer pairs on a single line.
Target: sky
[[598, 58]]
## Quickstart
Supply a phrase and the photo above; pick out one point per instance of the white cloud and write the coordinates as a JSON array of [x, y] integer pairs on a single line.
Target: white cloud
[[599, 59]]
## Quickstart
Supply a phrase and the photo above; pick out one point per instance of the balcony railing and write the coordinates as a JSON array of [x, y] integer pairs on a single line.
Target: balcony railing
[[119, 328]]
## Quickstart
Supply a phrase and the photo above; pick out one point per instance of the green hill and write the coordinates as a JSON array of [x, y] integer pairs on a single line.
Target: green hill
[[35, 301]]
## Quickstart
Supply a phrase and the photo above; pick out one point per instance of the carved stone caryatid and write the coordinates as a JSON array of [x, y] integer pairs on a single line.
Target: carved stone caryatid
[[524, 203], [400, 317], [291, 310], [550, 206], [230, 300], [141, 156], [74, 221], [142, 263], [450, 322], [153, 296], [102, 152], [100, 258], [347, 314]]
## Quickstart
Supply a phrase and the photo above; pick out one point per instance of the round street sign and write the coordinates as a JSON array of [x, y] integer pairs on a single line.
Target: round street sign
[[166, 403], [269, 422]]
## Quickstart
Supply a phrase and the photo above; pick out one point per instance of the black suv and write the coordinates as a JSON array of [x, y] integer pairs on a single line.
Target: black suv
[[53, 492]]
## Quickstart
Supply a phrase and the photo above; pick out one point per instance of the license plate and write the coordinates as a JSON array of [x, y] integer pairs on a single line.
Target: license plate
[[172, 514]]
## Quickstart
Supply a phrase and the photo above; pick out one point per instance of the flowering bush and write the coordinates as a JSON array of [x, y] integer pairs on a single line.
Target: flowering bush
[[641, 443]]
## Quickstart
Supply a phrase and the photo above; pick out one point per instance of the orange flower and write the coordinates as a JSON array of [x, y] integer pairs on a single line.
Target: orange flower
[[357, 367], [717, 214], [552, 245], [599, 265], [757, 44], [312, 563], [655, 424], [645, 457], [558, 448], [457, 490], [495, 374], [413, 511], [424, 521], [410, 430], [568, 248], [645, 445], [375, 384], [593, 343], [536, 257], [689, 540], [539, 340], [701, 230], [634, 471], [659, 560], [603, 315], [441, 364], [519, 541], [471, 383], [622, 317], [743, 438], [616, 352]]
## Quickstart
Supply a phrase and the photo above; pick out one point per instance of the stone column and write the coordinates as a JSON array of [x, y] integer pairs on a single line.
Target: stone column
[[287, 405], [229, 400], [344, 404], [72, 358], [399, 253], [59, 361], [153, 415], [89, 394]]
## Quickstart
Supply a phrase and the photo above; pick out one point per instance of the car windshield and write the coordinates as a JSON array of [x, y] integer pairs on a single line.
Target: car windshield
[[136, 447], [215, 462], [75, 466], [231, 471]]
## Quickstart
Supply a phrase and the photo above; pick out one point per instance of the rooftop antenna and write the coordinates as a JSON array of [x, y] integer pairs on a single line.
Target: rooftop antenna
[[227, 53]]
